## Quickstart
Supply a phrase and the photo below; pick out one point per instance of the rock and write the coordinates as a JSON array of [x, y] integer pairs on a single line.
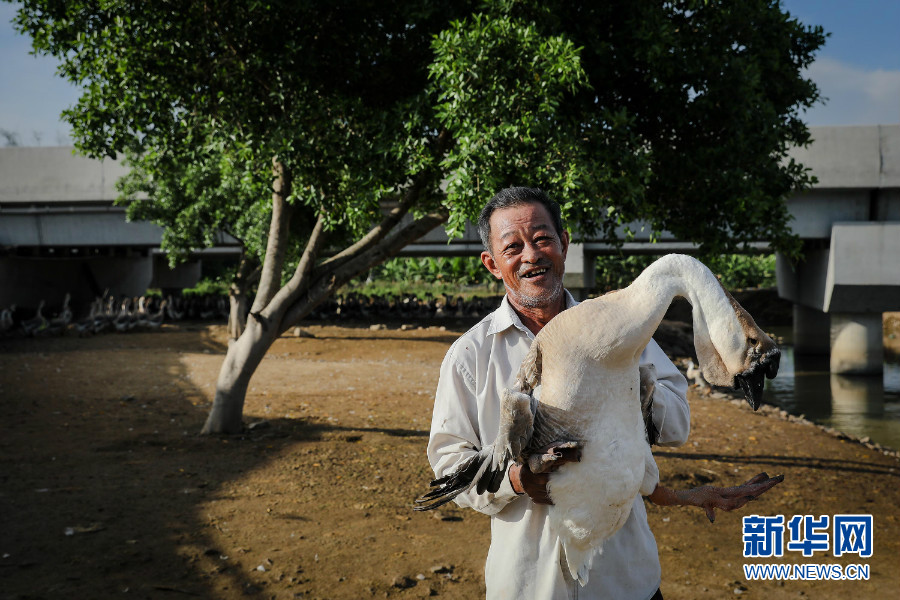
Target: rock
[[442, 516], [440, 569], [377, 327], [403, 582]]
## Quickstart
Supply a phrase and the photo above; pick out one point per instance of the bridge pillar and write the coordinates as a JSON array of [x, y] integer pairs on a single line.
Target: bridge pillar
[[580, 277], [857, 346], [812, 333]]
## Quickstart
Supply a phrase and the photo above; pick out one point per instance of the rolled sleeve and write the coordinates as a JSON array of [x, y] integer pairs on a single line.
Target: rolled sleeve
[[671, 413]]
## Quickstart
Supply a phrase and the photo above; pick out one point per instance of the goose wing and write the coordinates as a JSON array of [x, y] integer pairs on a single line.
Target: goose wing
[[487, 468]]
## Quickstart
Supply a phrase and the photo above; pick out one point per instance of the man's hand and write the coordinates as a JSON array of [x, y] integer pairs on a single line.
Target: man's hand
[[535, 484], [710, 498]]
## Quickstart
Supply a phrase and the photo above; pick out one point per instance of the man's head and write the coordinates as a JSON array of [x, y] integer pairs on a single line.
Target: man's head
[[525, 246]]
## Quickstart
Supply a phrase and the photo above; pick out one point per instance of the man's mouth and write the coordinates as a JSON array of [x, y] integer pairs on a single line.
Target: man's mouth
[[534, 273]]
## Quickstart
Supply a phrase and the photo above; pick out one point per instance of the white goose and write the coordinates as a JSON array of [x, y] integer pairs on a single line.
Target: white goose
[[586, 362], [6, 318]]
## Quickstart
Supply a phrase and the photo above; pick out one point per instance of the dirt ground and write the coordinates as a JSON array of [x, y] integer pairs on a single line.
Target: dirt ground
[[107, 491]]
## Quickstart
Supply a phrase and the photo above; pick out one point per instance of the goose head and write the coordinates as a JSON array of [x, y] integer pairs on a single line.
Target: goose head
[[737, 353]]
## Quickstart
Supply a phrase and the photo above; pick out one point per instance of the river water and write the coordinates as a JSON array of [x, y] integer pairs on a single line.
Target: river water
[[858, 405]]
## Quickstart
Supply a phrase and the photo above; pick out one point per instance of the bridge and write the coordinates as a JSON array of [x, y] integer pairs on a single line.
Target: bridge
[[59, 231]]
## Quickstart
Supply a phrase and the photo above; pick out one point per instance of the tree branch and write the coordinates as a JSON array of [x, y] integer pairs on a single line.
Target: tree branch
[[325, 279], [300, 280], [276, 245]]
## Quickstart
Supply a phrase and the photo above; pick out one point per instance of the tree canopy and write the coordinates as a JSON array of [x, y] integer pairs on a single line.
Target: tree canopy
[[677, 113], [347, 129]]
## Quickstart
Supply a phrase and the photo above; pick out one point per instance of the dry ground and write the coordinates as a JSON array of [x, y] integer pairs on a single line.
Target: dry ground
[[107, 491]]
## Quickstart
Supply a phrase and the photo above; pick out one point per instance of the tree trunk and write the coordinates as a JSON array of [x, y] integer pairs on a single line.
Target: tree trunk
[[245, 354], [237, 314], [241, 361], [248, 273], [276, 308]]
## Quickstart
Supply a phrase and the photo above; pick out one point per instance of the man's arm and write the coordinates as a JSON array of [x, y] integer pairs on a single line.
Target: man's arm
[[671, 413], [455, 434]]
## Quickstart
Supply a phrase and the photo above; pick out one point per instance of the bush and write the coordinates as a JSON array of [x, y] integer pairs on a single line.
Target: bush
[[733, 270]]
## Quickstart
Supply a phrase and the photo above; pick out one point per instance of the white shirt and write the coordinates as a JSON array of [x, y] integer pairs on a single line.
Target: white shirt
[[523, 560]]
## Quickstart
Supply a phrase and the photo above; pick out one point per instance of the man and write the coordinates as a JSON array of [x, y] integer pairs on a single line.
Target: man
[[525, 246]]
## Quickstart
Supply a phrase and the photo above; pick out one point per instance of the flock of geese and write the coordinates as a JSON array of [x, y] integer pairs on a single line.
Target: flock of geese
[[110, 313], [118, 314]]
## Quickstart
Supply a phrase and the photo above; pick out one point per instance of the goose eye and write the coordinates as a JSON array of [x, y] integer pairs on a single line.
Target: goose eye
[[752, 341]]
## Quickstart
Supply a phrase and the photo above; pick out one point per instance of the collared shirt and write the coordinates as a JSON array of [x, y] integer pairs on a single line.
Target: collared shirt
[[523, 560]]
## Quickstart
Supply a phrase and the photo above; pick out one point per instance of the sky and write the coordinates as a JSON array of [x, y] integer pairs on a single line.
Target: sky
[[857, 71]]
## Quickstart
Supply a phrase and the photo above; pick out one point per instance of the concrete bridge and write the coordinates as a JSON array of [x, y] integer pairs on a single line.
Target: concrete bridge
[[850, 225], [59, 232]]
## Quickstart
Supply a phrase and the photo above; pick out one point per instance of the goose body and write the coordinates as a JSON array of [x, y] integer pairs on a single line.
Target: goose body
[[6, 318], [585, 362], [37, 323]]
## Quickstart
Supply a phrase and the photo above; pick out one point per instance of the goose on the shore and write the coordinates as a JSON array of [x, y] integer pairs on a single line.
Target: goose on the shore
[[695, 375], [37, 323], [586, 362], [7, 321], [156, 319]]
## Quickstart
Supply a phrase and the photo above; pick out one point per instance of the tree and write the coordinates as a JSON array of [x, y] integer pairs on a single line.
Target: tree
[[371, 123]]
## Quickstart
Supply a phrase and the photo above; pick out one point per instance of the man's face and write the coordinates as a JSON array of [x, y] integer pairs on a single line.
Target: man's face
[[527, 254]]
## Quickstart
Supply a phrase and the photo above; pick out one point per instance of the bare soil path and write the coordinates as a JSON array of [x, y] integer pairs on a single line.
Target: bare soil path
[[107, 491]]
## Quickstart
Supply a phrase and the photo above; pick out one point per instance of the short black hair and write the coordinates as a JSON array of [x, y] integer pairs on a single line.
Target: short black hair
[[516, 196]]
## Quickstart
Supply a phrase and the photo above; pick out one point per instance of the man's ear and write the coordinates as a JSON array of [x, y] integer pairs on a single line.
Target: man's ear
[[488, 261], [564, 240]]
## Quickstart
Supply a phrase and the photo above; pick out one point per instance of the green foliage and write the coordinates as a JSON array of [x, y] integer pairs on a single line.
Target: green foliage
[[208, 287], [456, 270], [456, 275], [744, 271], [733, 270]]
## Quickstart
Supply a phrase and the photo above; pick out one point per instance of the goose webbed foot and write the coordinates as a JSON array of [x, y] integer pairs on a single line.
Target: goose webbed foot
[[554, 455], [710, 498]]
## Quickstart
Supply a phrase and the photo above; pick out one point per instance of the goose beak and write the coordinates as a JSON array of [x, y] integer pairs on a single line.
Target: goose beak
[[752, 381], [772, 361]]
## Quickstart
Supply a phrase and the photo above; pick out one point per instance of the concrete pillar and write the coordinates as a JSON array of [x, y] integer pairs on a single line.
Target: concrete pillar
[[811, 330], [857, 346], [854, 399], [580, 277]]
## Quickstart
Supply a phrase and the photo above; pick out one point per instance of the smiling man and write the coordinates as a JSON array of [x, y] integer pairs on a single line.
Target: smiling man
[[525, 245]]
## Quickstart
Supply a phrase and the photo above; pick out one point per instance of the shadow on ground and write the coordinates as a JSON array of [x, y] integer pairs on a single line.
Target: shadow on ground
[[106, 490]]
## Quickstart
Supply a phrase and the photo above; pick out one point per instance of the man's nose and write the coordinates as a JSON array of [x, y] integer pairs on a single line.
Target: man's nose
[[531, 252]]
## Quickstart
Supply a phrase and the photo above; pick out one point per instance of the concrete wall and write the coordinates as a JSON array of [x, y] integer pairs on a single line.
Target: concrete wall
[[74, 227], [863, 272], [853, 157], [47, 175]]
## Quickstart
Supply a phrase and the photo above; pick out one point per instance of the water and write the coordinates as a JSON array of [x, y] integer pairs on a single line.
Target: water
[[858, 405]]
